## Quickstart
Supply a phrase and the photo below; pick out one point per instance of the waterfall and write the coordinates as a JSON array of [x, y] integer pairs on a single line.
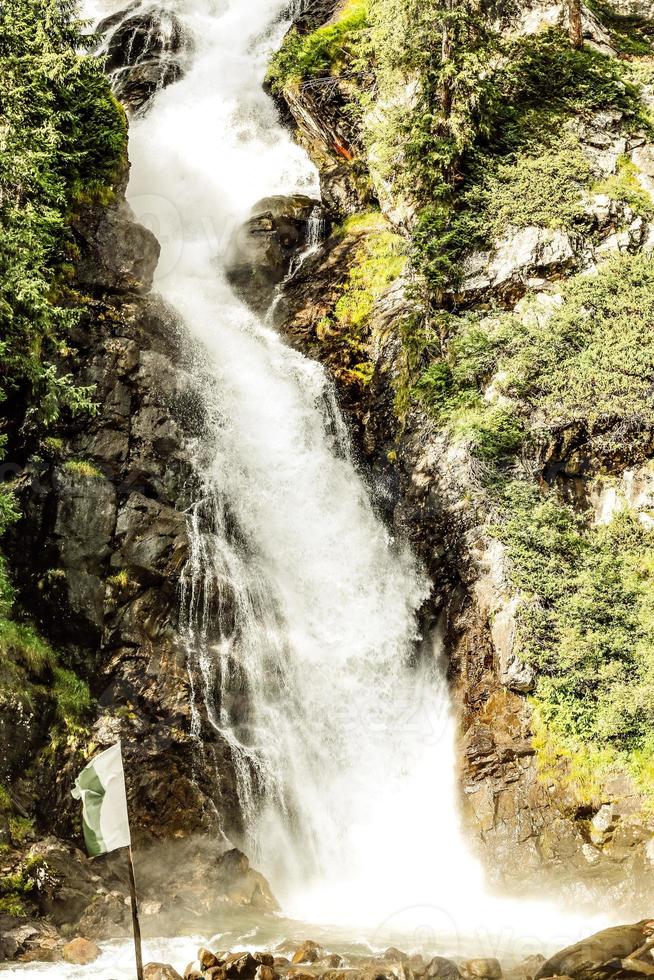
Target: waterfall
[[300, 607]]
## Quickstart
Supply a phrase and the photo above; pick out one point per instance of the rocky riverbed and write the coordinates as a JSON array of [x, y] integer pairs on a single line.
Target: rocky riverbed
[[618, 951]]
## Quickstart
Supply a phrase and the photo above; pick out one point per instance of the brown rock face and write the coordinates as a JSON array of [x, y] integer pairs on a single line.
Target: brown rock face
[[81, 952]]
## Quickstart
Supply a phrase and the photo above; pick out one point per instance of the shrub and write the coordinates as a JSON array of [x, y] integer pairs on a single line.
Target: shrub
[[326, 51]]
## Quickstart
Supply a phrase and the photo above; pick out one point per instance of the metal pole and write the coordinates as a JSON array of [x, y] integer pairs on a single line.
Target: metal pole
[[135, 917]]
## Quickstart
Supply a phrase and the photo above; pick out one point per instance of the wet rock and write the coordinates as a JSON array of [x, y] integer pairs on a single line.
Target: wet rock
[[395, 955], [81, 952], [240, 966], [265, 972], [207, 958], [440, 968], [42, 954], [193, 971], [325, 126], [583, 960], [308, 952], [145, 51], [160, 971], [70, 883], [15, 935], [262, 251], [267, 959], [333, 961], [481, 969]]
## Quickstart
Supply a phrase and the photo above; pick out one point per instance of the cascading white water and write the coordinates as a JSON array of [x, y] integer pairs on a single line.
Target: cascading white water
[[301, 609]]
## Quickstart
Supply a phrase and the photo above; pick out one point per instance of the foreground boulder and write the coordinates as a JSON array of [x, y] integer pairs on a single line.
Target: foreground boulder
[[81, 952], [160, 971], [600, 954]]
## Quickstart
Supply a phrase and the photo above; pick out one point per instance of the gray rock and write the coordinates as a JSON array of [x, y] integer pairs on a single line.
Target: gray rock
[[116, 254], [440, 968], [519, 257], [262, 251]]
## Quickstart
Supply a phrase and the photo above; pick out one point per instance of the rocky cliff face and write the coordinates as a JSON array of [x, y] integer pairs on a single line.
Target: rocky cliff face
[[99, 555], [530, 830]]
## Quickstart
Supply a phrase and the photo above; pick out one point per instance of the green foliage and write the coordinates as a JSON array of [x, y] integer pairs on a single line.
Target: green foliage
[[31, 670], [541, 185], [586, 623], [329, 50], [62, 135], [630, 35], [379, 260], [625, 186], [581, 363]]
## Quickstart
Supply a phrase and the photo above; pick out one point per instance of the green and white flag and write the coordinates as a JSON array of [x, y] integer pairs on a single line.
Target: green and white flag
[[101, 788]]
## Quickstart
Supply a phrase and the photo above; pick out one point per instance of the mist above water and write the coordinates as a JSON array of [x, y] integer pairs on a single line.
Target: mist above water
[[340, 728]]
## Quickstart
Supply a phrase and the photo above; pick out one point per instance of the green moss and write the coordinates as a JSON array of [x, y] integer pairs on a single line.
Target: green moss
[[81, 467], [326, 51], [18, 889], [53, 446], [72, 698], [120, 580], [379, 261]]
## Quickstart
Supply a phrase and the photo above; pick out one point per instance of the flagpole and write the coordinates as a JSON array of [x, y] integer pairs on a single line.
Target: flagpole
[[136, 926]]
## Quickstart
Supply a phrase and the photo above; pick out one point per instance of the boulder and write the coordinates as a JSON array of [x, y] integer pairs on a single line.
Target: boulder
[[395, 955], [267, 959], [207, 958], [81, 952], [265, 972], [193, 971], [481, 969], [240, 966], [263, 249], [440, 968], [116, 254], [160, 971], [584, 960], [333, 961], [145, 51], [308, 952]]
